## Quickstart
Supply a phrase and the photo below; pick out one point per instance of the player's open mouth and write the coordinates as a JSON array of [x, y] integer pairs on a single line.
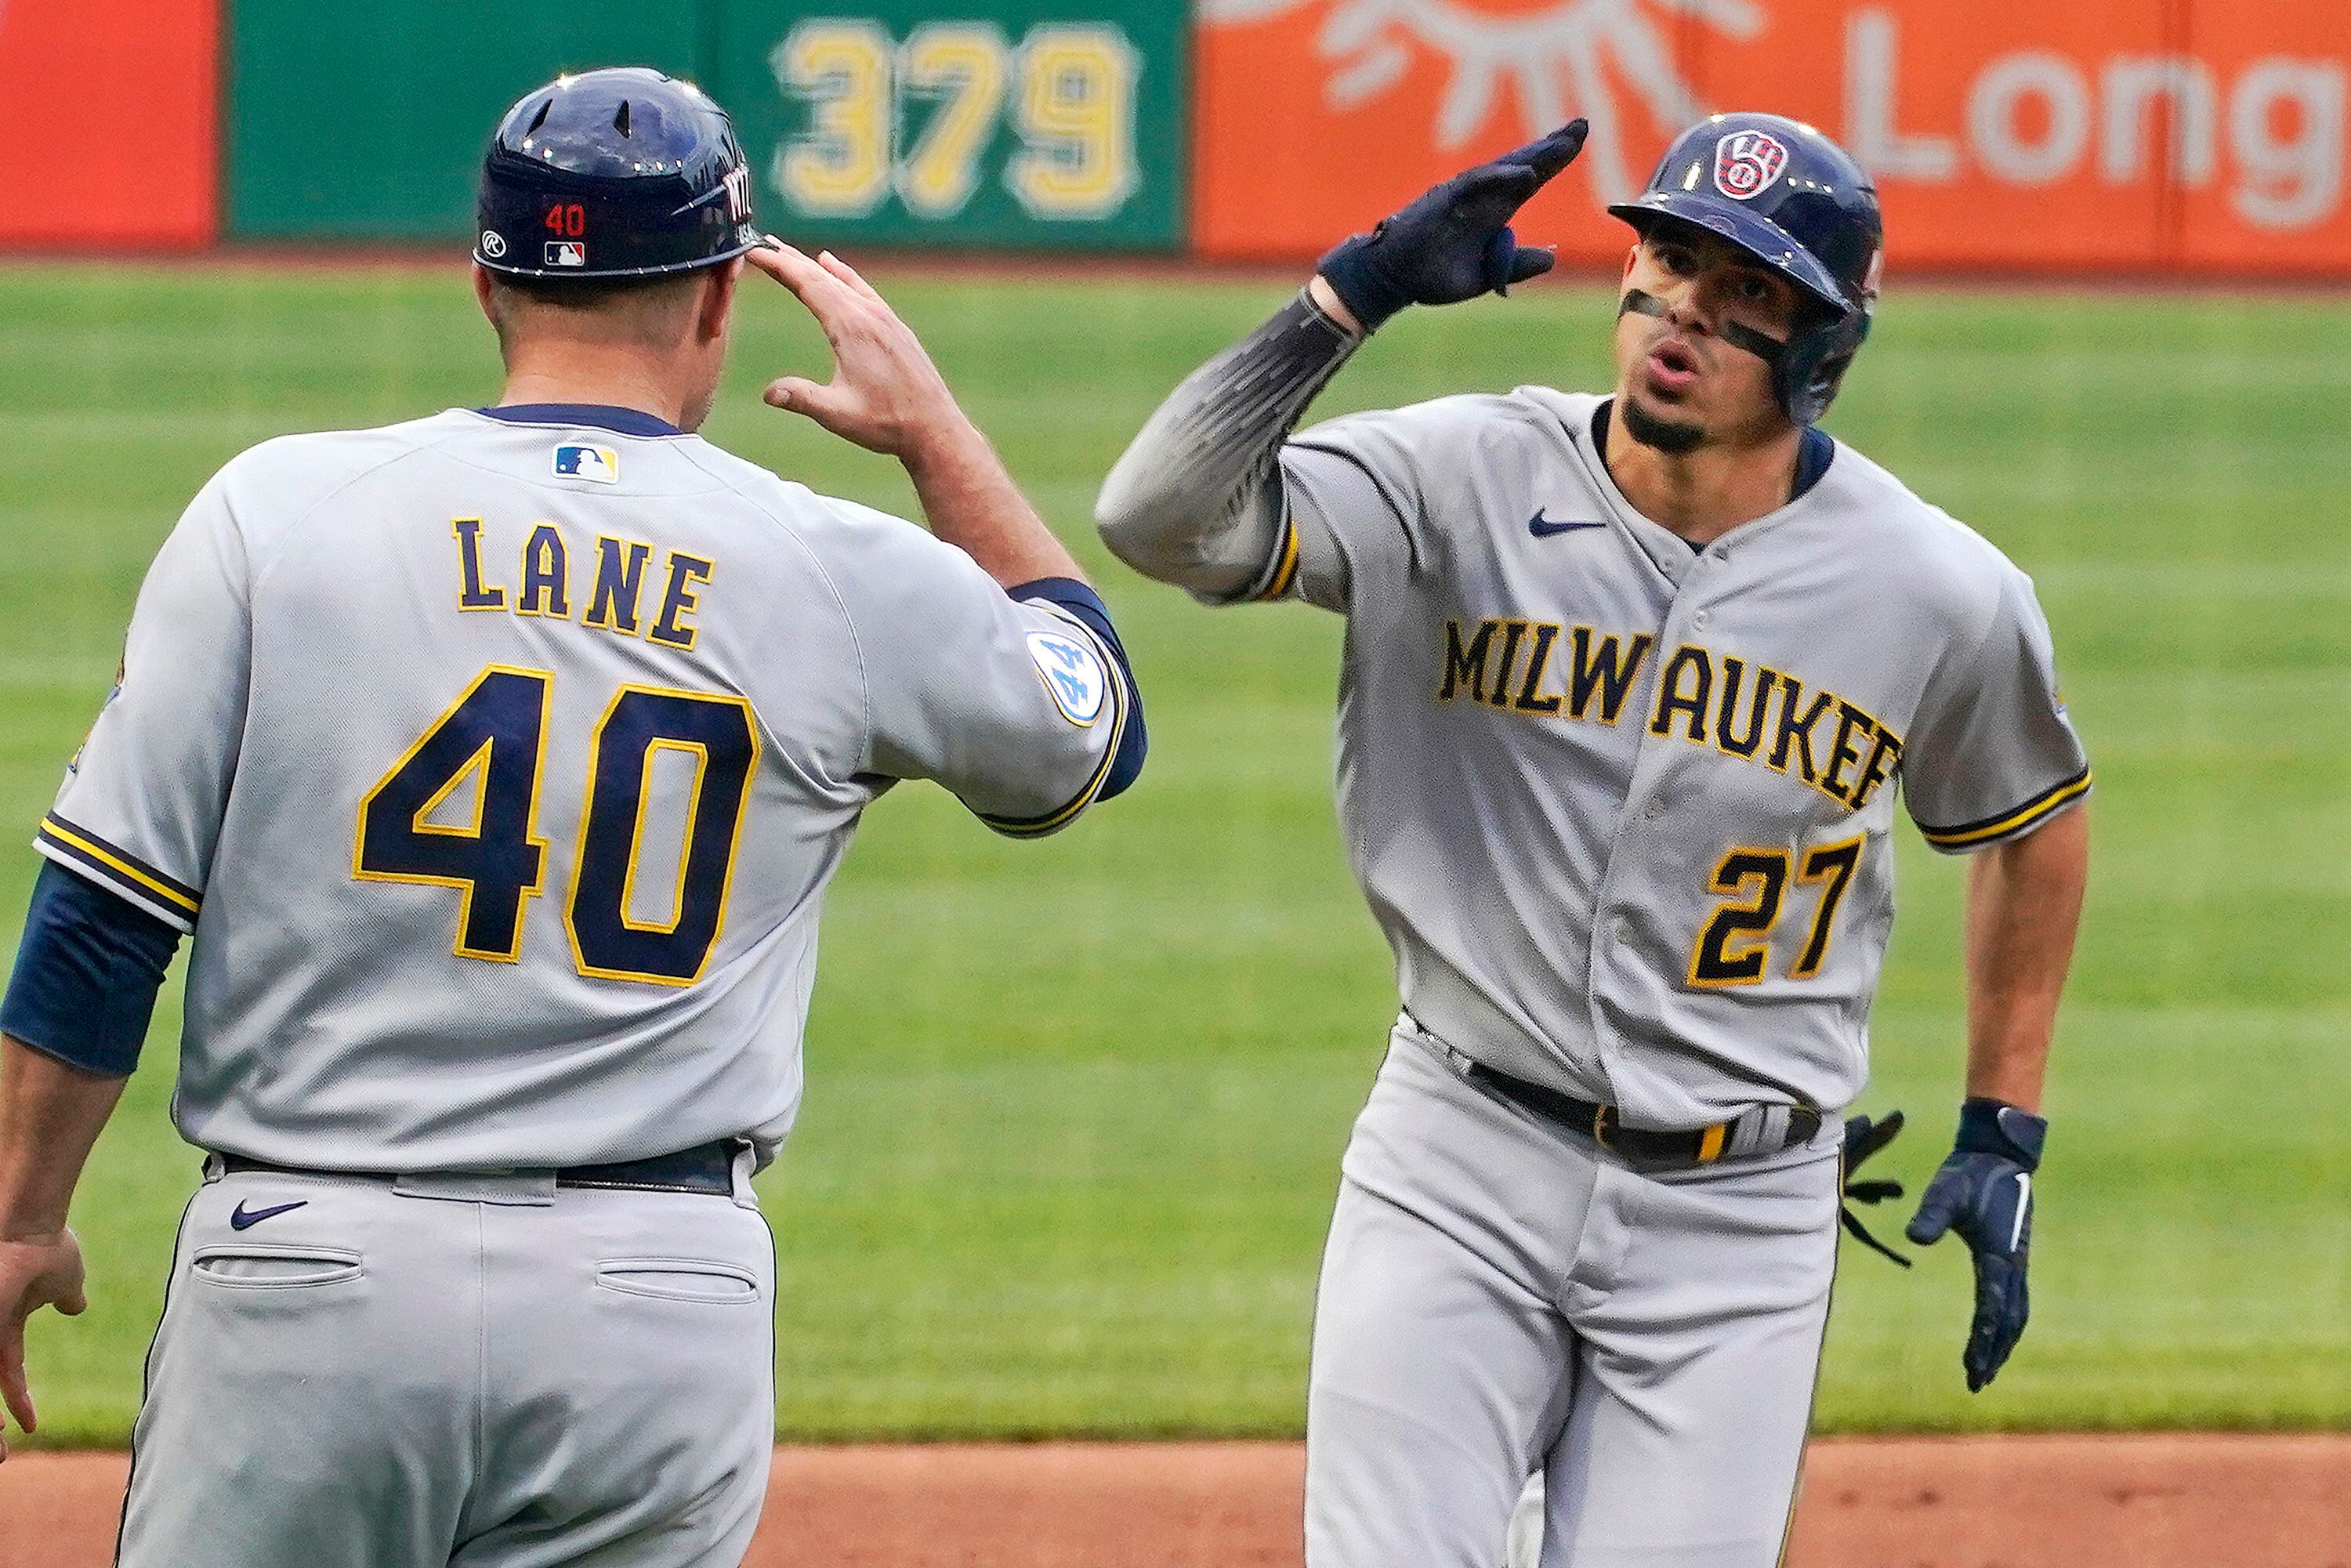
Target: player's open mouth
[[1673, 367]]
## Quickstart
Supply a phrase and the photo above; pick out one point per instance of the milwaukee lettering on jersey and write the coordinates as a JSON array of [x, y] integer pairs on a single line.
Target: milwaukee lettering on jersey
[[1743, 709]]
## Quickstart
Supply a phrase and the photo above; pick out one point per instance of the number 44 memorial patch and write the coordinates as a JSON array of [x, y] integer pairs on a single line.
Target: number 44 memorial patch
[[1073, 674]]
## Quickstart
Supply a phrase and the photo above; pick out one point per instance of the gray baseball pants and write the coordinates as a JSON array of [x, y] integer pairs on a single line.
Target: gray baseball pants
[[1500, 1297], [483, 1372]]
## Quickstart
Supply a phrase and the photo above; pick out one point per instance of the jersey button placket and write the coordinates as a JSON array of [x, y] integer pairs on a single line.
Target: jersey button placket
[[1684, 616]]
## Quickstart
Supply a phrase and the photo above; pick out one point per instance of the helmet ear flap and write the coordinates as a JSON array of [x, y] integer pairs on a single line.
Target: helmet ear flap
[[1816, 363]]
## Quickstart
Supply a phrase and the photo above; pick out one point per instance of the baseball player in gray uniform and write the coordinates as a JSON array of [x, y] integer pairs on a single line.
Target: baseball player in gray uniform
[[1630, 685], [497, 763]]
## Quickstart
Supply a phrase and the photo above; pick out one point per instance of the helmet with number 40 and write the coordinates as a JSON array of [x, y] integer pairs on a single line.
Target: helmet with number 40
[[622, 173]]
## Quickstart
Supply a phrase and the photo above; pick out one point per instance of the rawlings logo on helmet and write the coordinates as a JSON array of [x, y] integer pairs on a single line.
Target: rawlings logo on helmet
[[1746, 162]]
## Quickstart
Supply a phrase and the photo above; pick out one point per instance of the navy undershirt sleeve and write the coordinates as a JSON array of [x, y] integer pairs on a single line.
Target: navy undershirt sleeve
[[87, 974], [1067, 593]]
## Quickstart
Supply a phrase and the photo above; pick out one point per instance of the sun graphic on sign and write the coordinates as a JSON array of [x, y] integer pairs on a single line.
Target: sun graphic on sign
[[1555, 57]]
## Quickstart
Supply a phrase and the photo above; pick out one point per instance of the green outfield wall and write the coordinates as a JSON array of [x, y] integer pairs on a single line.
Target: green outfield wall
[[1035, 124], [1032, 124], [371, 125]]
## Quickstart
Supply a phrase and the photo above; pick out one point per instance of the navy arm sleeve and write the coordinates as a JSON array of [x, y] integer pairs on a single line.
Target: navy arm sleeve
[[86, 975], [1067, 593]]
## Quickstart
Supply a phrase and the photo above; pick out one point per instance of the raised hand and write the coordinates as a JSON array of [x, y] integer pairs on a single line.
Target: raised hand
[[885, 395], [1454, 243]]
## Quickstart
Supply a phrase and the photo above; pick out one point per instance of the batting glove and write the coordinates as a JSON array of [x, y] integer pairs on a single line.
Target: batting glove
[[1984, 1191], [1862, 1138], [1454, 243]]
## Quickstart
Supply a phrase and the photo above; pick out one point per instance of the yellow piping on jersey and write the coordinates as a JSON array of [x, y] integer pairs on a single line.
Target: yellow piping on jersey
[[172, 896], [1285, 571], [2024, 816], [1038, 827]]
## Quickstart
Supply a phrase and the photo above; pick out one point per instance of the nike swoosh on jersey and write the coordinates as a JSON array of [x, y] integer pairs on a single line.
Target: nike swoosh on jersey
[[243, 1219], [1542, 527]]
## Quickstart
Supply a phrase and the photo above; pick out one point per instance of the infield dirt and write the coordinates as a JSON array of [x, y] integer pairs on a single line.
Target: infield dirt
[[2138, 1501]]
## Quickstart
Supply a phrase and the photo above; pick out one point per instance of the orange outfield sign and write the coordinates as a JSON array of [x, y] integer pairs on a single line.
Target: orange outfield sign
[[114, 110], [2195, 136]]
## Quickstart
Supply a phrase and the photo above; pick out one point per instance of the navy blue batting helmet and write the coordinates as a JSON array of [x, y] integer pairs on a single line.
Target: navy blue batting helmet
[[1796, 202], [623, 172]]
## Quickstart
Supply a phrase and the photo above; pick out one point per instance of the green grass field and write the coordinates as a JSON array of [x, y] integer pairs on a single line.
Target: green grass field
[[1075, 1108]]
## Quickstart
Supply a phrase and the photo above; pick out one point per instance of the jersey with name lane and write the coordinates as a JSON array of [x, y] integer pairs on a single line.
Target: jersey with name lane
[[498, 768]]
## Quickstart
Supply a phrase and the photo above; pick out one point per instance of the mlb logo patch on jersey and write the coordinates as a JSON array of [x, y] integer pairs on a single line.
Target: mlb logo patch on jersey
[[566, 253], [1747, 162], [1073, 674], [600, 463]]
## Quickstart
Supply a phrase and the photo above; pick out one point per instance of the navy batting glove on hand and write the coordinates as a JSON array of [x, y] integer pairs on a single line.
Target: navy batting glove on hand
[[1984, 1191], [1862, 1138], [1454, 243]]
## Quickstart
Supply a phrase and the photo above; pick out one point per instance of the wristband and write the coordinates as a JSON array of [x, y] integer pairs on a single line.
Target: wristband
[[1370, 296], [1995, 1127]]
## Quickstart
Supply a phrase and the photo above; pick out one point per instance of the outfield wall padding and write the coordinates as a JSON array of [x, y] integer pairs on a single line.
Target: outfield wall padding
[[2096, 136], [112, 112], [2193, 138]]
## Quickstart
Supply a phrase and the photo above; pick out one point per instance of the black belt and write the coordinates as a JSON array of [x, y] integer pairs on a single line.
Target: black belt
[[1599, 1123], [709, 1168]]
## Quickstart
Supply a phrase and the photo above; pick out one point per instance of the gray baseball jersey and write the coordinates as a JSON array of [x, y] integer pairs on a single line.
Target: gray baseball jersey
[[498, 768], [1649, 790], [1622, 807]]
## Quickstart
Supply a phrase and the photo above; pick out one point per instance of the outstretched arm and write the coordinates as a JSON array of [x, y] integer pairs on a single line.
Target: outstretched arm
[[962, 702], [1197, 500]]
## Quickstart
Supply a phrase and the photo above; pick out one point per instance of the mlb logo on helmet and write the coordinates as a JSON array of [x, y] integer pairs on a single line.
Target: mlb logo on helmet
[[566, 253], [1746, 162], [600, 463]]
